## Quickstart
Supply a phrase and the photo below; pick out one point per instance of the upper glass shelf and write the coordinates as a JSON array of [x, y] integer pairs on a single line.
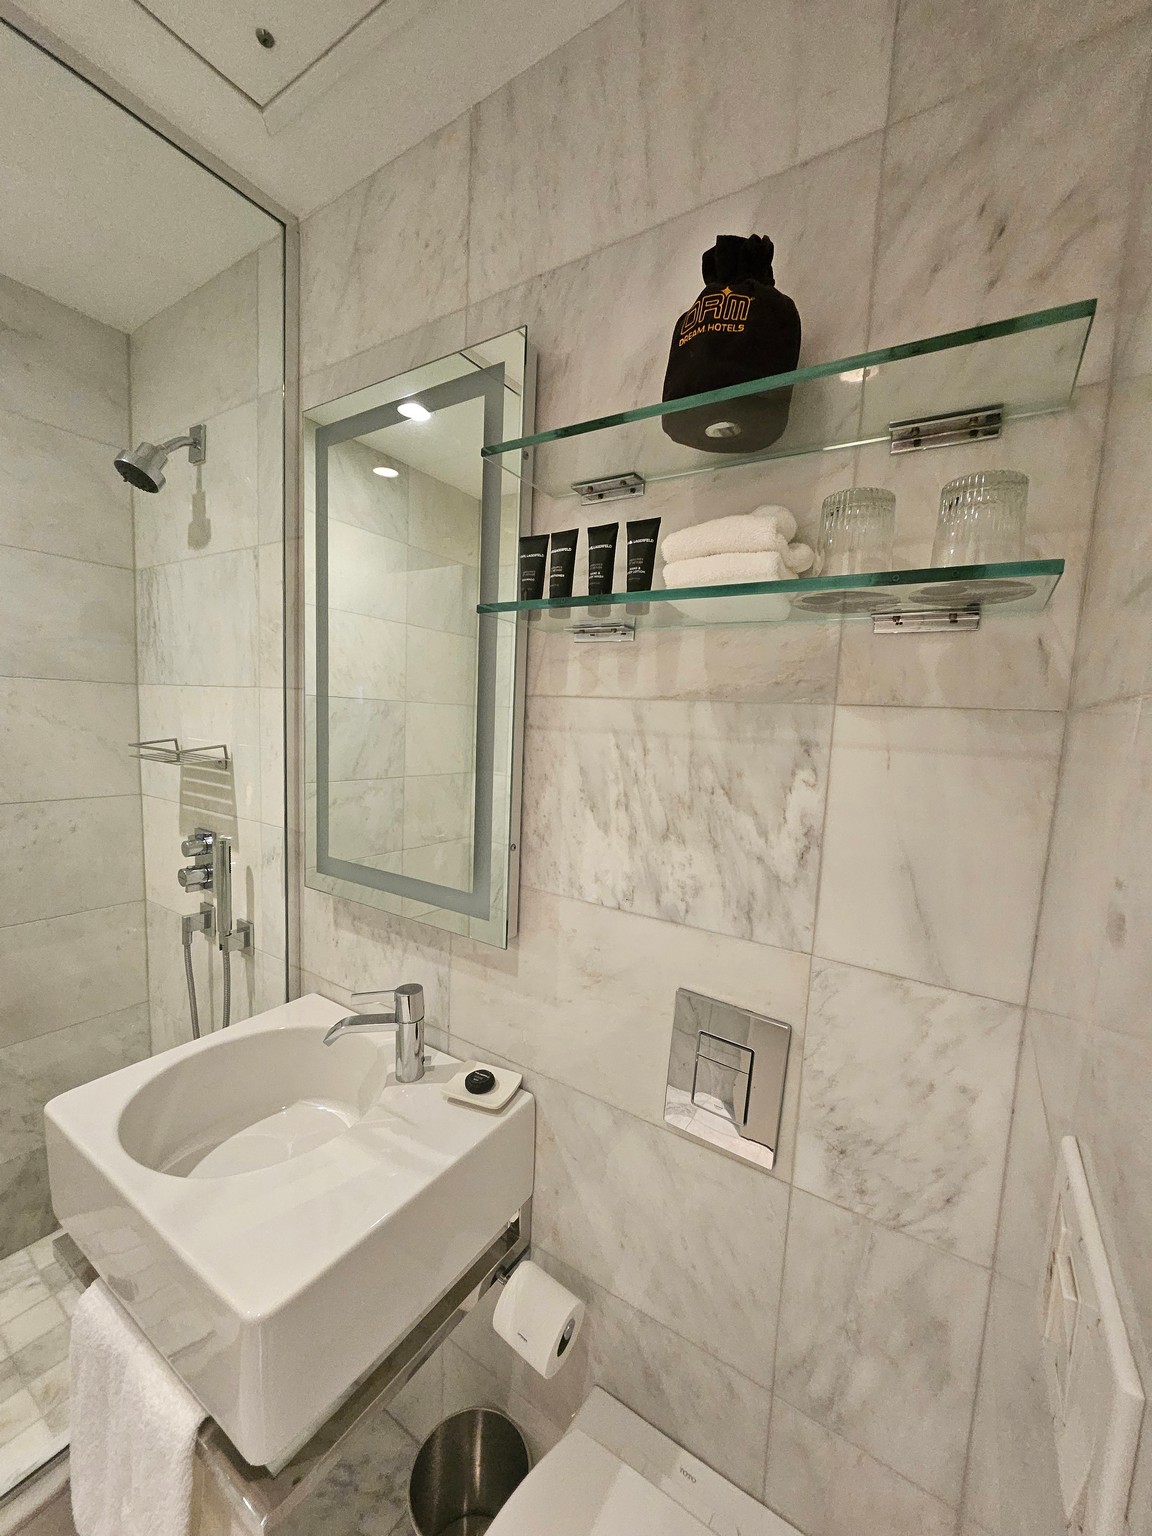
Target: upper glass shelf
[[1019, 587], [1026, 366]]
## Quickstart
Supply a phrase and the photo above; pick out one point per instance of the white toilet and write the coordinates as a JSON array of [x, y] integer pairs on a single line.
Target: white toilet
[[614, 1475]]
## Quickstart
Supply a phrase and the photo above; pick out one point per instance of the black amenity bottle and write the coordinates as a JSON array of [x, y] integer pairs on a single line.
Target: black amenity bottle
[[741, 328]]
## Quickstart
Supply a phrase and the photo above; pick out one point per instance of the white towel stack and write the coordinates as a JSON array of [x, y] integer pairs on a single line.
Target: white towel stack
[[756, 546], [134, 1426]]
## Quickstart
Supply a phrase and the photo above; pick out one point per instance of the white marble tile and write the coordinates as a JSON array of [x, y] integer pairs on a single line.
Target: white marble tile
[[273, 514], [437, 738], [709, 815], [442, 594], [36, 1070], [946, 50], [271, 613], [63, 970], [1025, 664], [59, 494], [439, 668], [384, 360], [26, 1452], [905, 1105], [438, 808], [602, 323], [1116, 628], [443, 520], [270, 314], [671, 1227], [38, 879], [934, 844], [65, 619], [389, 255], [199, 357], [64, 740], [367, 573], [1125, 974], [60, 367], [197, 622], [1079, 885], [366, 657], [360, 499], [350, 945], [25, 1201], [366, 820], [1012, 197], [202, 717], [659, 107], [1013, 1485], [710, 1409], [825, 1486], [587, 995], [28, 1326], [366, 1492], [167, 986], [1022, 1240], [879, 1341], [204, 508]]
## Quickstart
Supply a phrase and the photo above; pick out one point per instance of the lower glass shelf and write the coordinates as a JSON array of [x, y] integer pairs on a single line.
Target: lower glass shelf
[[968, 592]]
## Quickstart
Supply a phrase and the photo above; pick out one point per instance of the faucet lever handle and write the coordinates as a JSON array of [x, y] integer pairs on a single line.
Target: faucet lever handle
[[407, 1000]]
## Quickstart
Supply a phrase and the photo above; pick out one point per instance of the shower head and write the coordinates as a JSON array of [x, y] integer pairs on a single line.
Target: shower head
[[143, 466]]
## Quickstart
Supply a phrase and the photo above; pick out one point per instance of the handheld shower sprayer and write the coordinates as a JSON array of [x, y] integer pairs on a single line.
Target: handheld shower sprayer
[[143, 466]]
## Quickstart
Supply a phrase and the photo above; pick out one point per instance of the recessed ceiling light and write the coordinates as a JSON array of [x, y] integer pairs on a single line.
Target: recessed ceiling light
[[385, 471], [414, 411]]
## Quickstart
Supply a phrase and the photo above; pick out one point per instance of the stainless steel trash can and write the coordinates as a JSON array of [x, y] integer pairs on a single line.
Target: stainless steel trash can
[[466, 1470]]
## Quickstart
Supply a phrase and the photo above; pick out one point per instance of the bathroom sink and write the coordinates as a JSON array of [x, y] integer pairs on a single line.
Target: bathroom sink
[[277, 1214]]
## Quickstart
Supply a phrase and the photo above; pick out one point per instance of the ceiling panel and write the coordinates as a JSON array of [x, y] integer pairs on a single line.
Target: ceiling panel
[[224, 33]]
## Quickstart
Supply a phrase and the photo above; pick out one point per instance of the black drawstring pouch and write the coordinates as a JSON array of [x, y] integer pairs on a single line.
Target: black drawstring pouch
[[741, 328]]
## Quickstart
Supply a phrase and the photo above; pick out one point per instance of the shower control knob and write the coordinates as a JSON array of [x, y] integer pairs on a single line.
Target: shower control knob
[[195, 878], [196, 846]]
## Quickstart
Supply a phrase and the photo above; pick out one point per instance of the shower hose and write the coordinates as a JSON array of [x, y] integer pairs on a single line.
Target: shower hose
[[188, 929]]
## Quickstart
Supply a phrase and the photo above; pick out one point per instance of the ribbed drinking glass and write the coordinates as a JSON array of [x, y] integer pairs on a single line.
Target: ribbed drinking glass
[[857, 529], [982, 518]]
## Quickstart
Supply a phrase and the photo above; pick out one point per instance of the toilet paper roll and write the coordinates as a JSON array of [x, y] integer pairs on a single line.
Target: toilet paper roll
[[538, 1318]]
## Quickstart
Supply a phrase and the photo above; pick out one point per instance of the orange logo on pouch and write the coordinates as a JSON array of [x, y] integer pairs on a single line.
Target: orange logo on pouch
[[723, 311]]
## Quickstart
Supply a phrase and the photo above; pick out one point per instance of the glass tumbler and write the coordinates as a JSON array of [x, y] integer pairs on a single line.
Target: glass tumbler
[[857, 529], [982, 519]]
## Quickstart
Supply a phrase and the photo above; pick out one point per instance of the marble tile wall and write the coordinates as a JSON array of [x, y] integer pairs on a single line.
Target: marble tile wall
[[209, 620], [73, 987], [846, 832], [1086, 1066]]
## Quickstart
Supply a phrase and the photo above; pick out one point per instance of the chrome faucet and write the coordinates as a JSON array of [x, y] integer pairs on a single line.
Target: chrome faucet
[[406, 1018]]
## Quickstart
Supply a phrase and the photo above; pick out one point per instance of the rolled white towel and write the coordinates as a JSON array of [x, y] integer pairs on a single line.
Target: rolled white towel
[[765, 531], [799, 558], [728, 570]]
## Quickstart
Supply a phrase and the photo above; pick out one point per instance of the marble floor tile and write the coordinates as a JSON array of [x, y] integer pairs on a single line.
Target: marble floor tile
[[587, 995], [28, 1451], [197, 622], [401, 232], [1013, 1483], [704, 814], [61, 970], [103, 833], [825, 1486], [197, 358], [1033, 170], [63, 740], [367, 1491], [934, 844], [879, 1341], [26, 1327], [710, 1409], [58, 494], [66, 619], [669, 1226], [905, 1105], [205, 508], [60, 367], [626, 126]]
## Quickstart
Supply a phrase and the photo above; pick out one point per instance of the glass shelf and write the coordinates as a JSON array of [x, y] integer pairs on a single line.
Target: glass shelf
[[1026, 366], [1021, 587]]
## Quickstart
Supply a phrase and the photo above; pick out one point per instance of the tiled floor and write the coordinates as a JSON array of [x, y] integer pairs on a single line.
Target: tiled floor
[[37, 1298]]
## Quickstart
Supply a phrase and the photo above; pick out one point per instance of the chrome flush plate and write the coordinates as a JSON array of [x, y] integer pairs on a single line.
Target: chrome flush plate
[[726, 1073]]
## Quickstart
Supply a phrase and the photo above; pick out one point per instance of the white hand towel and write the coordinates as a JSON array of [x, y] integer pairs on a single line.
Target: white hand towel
[[727, 570], [134, 1426], [799, 558], [766, 531]]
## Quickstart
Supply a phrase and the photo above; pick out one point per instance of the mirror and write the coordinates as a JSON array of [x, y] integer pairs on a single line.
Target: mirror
[[413, 700]]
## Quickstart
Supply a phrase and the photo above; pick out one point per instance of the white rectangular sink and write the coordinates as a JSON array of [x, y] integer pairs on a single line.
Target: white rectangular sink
[[276, 1214]]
